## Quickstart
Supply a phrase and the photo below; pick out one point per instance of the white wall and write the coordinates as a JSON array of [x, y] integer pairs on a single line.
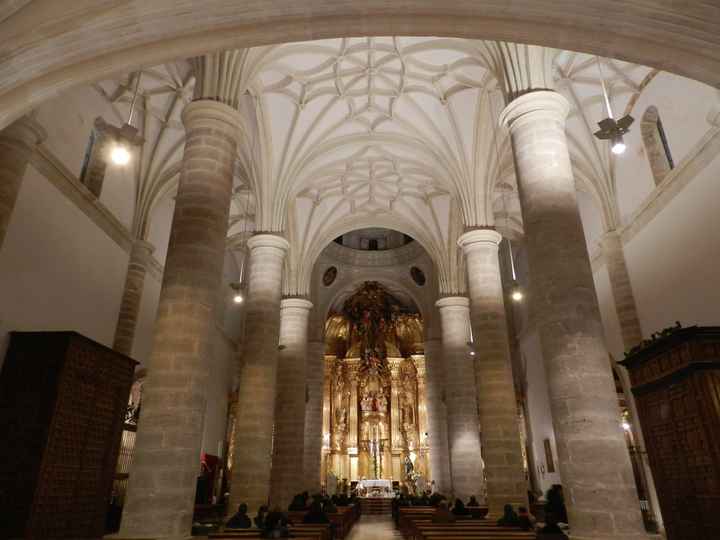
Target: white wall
[[58, 271], [674, 261], [539, 415]]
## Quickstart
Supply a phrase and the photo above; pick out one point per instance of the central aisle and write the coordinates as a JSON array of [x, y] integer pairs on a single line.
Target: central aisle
[[374, 527]]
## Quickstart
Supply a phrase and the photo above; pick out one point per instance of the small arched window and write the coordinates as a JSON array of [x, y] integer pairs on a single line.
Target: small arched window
[[656, 144]]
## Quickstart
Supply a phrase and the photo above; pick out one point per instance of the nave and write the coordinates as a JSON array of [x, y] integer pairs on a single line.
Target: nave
[[374, 527]]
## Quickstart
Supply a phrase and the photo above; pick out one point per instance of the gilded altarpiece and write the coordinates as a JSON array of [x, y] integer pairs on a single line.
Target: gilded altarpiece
[[375, 420]]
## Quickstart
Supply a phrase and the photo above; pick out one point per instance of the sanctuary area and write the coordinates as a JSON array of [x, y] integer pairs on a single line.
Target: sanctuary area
[[349, 270]]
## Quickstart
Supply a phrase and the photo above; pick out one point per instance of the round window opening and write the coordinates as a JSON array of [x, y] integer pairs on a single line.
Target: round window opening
[[329, 276], [418, 276]]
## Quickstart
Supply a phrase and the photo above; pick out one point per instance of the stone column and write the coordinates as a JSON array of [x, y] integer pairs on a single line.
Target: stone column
[[161, 492], [437, 417], [17, 143], [626, 310], [611, 245], [256, 395], [594, 463], [460, 398], [315, 375], [497, 404], [140, 257], [288, 449]]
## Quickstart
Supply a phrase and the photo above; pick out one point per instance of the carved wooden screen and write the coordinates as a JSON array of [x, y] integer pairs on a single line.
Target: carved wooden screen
[[62, 401], [676, 382]]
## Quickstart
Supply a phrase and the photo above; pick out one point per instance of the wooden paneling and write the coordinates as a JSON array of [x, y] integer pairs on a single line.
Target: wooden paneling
[[63, 399], [676, 382]]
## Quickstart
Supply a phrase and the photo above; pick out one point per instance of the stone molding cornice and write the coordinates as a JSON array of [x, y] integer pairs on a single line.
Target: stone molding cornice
[[534, 106], [295, 303], [453, 302], [207, 113], [355, 257], [59, 176], [699, 157], [479, 238], [268, 240], [25, 132]]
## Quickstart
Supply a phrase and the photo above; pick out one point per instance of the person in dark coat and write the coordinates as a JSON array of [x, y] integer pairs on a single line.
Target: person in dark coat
[[240, 520], [316, 514]]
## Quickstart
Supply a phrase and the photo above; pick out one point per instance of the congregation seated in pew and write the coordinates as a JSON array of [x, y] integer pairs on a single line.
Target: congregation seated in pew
[[509, 517], [240, 519], [316, 514], [459, 508], [442, 514]]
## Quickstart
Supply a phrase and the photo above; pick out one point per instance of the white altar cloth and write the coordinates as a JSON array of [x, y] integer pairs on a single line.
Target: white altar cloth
[[376, 488]]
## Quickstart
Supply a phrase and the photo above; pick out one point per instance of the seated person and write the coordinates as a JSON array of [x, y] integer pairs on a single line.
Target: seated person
[[509, 517], [329, 507], [276, 525], [473, 501], [316, 514], [527, 520], [551, 530], [459, 508], [442, 514], [240, 520], [555, 503], [436, 499], [298, 503], [260, 518]]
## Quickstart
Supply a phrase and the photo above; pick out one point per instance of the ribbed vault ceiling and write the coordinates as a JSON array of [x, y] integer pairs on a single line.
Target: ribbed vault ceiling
[[358, 132]]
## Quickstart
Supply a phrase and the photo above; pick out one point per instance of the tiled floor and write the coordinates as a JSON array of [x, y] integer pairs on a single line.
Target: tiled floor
[[374, 528]]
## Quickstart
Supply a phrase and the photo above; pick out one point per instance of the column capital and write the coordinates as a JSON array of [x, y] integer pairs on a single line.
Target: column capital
[[269, 240], [207, 113], [26, 131], [142, 249], [611, 240], [477, 238], [296, 303], [462, 302], [523, 68], [536, 105]]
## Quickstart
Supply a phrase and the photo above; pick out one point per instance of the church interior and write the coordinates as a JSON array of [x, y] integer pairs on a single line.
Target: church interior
[[412, 271]]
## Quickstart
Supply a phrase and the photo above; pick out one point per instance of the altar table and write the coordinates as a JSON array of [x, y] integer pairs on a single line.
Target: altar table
[[376, 488]]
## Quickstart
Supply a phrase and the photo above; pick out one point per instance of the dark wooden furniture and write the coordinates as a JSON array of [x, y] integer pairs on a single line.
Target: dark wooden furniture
[[63, 399], [676, 383]]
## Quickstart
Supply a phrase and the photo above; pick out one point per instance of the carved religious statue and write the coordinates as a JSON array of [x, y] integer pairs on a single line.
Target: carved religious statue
[[408, 405], [341, 407]]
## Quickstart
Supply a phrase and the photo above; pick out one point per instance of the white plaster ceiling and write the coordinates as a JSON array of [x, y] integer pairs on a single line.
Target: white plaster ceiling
[[360, 132]]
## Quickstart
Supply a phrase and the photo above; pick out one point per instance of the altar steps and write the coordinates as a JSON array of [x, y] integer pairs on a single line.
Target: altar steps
[[374, 505]]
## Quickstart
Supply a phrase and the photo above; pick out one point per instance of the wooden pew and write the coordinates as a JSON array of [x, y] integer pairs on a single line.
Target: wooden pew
[[342, 520], [305, 531], [417, 525]]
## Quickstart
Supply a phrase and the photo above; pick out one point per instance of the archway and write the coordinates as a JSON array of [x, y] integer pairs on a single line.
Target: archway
[[47, 50]]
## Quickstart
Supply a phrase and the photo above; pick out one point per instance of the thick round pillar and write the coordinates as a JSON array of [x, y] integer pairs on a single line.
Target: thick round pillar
[[437, 417], [460, 398], [166, 463], [312, 459], [593, 457], [17, 143], [140, 256], [250, 481], [288, 448], [497, 404]]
